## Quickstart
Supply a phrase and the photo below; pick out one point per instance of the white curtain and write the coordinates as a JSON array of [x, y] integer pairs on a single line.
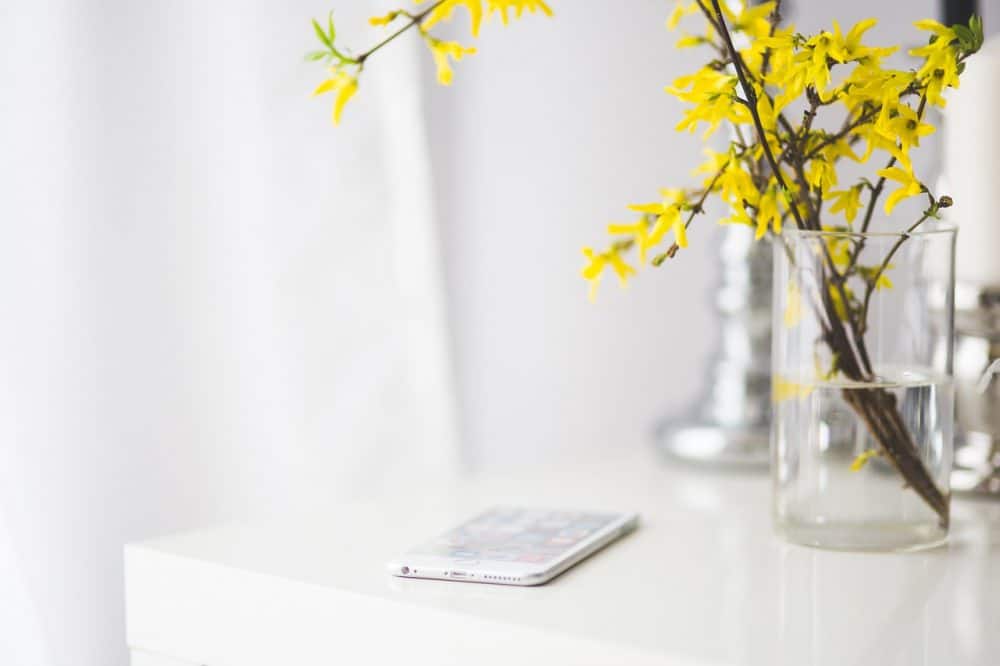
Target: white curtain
[[214, 304]]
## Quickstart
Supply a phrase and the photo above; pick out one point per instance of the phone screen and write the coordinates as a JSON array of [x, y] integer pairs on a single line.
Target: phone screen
[[517, 535]]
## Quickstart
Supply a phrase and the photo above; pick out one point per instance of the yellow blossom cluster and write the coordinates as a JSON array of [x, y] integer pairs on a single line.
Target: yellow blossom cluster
[[478, 10], [345, 68], [780, 165]]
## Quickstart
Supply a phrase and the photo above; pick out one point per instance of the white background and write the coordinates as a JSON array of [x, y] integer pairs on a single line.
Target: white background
[[215, 304]]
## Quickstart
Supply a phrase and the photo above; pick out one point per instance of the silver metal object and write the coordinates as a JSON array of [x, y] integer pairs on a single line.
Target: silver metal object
[[977, 391], [729, 424]]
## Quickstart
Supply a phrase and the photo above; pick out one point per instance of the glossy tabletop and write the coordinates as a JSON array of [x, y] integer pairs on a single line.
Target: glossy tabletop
[[703, 581]]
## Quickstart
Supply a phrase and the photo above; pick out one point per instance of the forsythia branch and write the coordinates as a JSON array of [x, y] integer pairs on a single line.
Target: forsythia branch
[[345, 69]]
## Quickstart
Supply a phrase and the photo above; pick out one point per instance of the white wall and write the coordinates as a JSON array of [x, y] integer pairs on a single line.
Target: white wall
[[214, 305]]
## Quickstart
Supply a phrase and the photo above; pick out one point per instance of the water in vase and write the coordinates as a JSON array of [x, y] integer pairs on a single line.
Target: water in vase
[[834, 489]]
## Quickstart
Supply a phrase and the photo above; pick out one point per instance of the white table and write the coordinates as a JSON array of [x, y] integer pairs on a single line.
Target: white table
[[703, 581]]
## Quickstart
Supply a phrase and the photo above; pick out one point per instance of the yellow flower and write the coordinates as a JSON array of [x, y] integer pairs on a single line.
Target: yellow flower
[[768, 116], [383, 20], [783, 40], [939, 30], [598, 261], [668, 212], [793, 305], [788, 72], [446, 9], [876, 139], [863, 459], [840, 248], [826, 375], [940, 68], [826, 47], [735, 185], [909, 186], [782, 71], [906, 127], [821, 174], [821, 49], [839, 306], [870, 83], [687, 41], [783, 389], [752, 19], [344, 85], [768, 213], [477, 11], [790, 80], [872, 273], [849, 47], [519, 7], [638, 230], [892, 135], [713, 95], [848, 200], [442, 51], [681, 9], [839, 149]]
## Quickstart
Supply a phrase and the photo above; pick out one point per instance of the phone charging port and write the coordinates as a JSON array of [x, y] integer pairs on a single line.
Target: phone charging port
[[458, 574]]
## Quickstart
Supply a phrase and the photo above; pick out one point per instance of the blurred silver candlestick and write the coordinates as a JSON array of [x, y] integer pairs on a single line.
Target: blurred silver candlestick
[[729, 423]]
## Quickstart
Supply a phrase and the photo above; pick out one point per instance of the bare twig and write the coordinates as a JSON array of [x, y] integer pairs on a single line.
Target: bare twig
[[414, 19]]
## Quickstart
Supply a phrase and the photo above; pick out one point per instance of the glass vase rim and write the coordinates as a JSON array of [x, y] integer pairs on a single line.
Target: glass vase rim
[[935, 228]]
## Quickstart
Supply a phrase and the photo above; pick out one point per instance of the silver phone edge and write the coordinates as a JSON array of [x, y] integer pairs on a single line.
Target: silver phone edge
[[630, 522]]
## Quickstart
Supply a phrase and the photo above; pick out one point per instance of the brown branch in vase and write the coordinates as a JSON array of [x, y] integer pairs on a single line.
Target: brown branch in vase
[[875, 406]]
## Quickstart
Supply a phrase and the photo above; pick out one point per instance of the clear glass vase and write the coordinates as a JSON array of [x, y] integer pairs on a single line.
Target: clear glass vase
[[862, 387]]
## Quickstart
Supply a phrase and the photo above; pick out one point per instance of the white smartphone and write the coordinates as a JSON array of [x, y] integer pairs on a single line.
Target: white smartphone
[[514, 546]]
